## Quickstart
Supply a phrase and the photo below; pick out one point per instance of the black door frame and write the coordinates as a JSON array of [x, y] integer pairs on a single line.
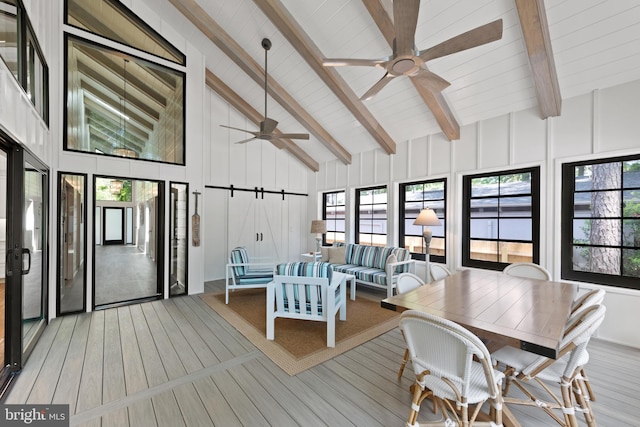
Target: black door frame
[[14, 354]]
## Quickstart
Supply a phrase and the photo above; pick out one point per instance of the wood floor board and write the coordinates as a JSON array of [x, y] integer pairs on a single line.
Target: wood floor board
[[195, 340], [117, 418], [67, 389], [265, 398], [339, 399], [134, 375], [240, 403], [151, 360], [188, 356], [299, 410], [29, 374], [316, 403], [170, 360], [141, 414], [215, 403], [113, 382], [191, 407], [90, 387], [167, 410], [216, 338], [47, 381], [233, 341]]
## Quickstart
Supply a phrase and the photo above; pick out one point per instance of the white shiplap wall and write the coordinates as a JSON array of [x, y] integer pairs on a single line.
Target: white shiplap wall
[[600, 124]]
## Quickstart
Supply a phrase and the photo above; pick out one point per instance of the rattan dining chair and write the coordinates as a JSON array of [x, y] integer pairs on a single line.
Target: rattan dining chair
[[406, 282], [454, 367], [438, 271], [527, 269], [521, 367], [582, 303]]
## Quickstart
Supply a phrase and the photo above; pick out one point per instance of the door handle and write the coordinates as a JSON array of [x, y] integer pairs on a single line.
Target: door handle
[[257, 237], [261, 239], [9, 263], [28, 253]]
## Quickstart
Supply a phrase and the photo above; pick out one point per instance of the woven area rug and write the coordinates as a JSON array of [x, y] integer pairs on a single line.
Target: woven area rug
[[301, 344]]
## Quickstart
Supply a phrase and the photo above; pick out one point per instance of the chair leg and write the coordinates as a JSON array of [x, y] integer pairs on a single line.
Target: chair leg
[[405, 359], [587, 384], [579, 390], [567, 403]]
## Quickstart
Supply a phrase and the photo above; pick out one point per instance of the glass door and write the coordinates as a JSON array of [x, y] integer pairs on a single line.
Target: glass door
[[33, 254], [23, 243]]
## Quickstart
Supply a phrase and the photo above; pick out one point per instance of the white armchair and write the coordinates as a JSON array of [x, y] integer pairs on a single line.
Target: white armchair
[[307, 291]]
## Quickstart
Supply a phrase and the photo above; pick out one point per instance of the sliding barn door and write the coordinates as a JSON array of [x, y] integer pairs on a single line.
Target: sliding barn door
[[256, 224]]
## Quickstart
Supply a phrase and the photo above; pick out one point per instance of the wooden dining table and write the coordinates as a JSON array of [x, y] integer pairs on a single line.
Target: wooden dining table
[[527, 313], [501, 309]]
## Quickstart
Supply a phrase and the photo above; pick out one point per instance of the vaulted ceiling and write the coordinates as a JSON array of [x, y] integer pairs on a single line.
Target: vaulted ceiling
[[550, 50]]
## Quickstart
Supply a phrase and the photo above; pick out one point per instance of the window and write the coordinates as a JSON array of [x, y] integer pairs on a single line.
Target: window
[[21, 53], [118, 104], [333, 212], [501, 218], [601, 221], [371, 216], [414, 197]]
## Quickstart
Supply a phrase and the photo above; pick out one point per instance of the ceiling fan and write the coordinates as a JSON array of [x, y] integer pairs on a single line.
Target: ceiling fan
[[267, 126], [406, 60]]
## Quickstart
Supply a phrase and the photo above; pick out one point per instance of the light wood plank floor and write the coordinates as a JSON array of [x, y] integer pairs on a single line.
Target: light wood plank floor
[[177, 363]]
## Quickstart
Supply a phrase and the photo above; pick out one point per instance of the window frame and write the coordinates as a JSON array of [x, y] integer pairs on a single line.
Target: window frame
[[567, 236], [357, 214], [329, 222], [466, 221], [402, 217], [26, 37]]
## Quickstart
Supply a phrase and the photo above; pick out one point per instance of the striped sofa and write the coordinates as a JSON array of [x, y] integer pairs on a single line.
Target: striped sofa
[[372, 266]]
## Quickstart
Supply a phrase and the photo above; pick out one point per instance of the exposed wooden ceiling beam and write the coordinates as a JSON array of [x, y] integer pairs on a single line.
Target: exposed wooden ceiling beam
[[252, 114], [533, 20], [295, 34], [209, 27], [435, 101]]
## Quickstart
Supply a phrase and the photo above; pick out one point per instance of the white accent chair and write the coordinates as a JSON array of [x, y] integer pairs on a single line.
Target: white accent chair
[[454, 366], [528, 270], [521, 367], [307, 291], [438, 271], [242, 272], [406, 282]]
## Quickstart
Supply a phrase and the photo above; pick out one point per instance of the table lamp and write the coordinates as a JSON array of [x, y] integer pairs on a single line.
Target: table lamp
[[318, 227], [426, 218]]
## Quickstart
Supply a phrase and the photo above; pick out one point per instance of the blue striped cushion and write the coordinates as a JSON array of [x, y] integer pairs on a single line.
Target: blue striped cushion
[[402, 254], [239, 256], [367, 274], [306, 269]]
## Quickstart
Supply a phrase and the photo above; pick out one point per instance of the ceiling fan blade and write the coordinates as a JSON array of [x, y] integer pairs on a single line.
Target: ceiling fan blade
[[267, 126], [477, 37], [242, 130], [244, 141], [339, 62], [292, 135], [377, 87], [405, 21], [431, 81]]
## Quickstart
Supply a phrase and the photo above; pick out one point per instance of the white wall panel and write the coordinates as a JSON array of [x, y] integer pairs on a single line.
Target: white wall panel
[[465, 149], [618, 114], [529, 142], [419, 160], [400, 165], [355, 178], [494, 147], [343, 173], [383, 166], [368, 167], [440, 154], [572, 130], [331, 175]]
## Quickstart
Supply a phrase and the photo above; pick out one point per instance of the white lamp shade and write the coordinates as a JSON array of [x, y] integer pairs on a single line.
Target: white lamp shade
[[318, 226], [427, 217]]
